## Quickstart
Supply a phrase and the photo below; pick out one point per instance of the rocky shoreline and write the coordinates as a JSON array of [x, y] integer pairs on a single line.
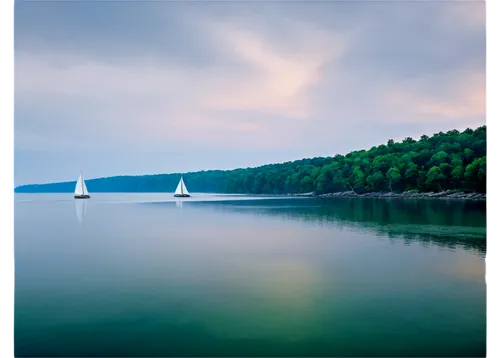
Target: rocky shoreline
[[449, 194]]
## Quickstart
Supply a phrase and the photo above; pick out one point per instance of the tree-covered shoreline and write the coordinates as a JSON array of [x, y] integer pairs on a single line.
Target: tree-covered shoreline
[[453, 162]]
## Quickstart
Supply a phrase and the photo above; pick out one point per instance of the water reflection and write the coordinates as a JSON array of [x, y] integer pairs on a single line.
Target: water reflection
[[81, 210], [443, 223]]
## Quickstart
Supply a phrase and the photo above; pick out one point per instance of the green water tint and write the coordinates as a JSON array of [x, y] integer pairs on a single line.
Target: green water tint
[[271, 277], [442, 222]]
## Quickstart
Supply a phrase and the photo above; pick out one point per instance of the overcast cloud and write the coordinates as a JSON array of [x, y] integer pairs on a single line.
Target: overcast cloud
[[116, 88]]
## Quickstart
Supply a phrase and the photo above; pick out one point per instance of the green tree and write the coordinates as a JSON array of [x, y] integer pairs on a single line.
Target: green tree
[[393, 175], [409, 140], [438, 158], [411, 176], [376, 181], [468, 156], [339, 182], [315, 173], [446, 170], [457, 174], [307, 184], [475, 174], [423, 157], [324, 181], [435, 178], [357, 179]]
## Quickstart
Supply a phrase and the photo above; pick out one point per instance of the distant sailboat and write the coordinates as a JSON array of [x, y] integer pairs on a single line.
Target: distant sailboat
[[181, 191], [81, 191]]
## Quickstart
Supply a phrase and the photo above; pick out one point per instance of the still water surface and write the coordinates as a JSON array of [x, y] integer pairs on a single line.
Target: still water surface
[[143, 275]]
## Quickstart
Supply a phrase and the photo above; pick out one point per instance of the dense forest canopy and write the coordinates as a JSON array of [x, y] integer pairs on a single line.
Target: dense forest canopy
[[451, 160]]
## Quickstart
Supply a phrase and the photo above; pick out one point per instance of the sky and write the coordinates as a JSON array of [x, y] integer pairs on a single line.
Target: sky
[[131, 88]]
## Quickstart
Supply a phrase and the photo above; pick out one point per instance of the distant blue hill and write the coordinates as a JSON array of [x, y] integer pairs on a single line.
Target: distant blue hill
[[207, 181]]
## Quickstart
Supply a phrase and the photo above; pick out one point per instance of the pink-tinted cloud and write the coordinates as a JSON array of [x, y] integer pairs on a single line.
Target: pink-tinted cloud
[[471, 14], [458, 96], [278, 80]]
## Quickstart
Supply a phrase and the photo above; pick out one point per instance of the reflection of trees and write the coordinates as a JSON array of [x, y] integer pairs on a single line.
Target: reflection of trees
[[440, 222]]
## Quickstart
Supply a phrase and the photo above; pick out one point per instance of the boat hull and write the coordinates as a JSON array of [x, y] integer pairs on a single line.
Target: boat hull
[[82, 196], [182, 195]]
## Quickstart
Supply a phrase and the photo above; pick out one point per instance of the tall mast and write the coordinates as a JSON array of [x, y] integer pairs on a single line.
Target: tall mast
[[182, 186], [83, 192]]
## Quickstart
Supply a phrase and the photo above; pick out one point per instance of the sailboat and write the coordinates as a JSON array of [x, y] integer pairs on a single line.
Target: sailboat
[[181, 191], [81, 191]]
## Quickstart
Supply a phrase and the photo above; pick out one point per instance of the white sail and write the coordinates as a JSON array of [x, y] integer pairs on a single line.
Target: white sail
[[181, 188], [81, 188], [85, 191]]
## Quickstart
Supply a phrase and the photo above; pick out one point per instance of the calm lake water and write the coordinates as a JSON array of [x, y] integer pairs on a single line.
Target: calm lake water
[[142, 275]]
